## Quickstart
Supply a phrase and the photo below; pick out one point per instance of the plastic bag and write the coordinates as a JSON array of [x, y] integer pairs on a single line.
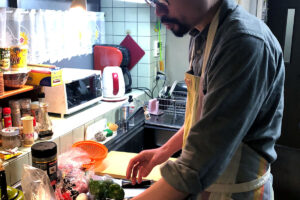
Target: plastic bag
[[71, 179], [36, 184]]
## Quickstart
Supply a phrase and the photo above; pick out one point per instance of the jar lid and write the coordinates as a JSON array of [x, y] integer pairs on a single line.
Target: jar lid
[[6, 111], [44, 149], [10, 131]]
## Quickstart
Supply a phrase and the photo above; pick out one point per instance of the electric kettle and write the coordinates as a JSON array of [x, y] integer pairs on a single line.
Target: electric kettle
[[113, 82]]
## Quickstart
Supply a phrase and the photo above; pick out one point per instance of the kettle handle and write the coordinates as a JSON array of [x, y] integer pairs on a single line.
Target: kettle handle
[[115, 78]]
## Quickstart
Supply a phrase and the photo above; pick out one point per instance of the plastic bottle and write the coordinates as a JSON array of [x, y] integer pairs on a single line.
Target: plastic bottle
[[131, 109], [7, 117]]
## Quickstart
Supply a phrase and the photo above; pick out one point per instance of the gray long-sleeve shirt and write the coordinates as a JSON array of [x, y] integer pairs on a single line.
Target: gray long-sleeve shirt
[[243, 100]]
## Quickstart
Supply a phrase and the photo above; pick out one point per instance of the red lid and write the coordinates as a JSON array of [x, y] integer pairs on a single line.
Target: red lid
[[6, 111]]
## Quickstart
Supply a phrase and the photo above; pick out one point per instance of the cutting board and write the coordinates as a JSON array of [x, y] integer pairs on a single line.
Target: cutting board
[[116, 162]]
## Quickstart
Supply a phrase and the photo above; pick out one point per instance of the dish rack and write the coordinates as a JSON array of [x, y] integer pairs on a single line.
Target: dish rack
[[174, 105]]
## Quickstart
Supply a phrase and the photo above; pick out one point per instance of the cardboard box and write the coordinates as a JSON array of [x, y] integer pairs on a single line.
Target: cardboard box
[[45, 77]]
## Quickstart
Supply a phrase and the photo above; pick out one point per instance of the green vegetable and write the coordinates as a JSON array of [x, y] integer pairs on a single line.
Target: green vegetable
[[115, 192], [106, 189]]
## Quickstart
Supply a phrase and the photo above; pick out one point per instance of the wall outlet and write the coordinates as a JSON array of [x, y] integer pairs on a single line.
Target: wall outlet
[[156, 48]]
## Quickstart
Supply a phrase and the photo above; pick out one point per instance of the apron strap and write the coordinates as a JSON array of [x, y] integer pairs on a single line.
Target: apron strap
[[240, 187]]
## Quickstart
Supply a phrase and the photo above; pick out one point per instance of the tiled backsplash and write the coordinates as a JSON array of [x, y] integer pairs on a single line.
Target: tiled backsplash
[[137, 19]]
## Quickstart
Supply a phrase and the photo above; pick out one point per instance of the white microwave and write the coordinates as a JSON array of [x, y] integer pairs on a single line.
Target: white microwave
[[80, 88]]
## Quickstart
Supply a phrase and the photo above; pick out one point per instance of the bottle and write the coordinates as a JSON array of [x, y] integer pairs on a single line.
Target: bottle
[[131, 110], [3, 184], [41, 97], [28, 131], [7, 117], [45, 125]]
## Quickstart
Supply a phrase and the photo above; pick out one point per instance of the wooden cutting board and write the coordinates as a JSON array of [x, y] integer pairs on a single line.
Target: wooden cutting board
[[115, 165]]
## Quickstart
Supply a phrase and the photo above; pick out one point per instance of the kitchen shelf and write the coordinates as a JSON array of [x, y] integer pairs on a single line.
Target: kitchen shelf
[[13, 92]]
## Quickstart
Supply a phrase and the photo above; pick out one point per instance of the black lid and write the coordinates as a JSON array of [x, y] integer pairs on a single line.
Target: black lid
[[130, 98], [41, 95], [44, 149]]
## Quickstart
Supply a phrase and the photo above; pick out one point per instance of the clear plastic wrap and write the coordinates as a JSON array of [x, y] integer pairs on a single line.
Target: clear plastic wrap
[[36, 184], [71, 179]]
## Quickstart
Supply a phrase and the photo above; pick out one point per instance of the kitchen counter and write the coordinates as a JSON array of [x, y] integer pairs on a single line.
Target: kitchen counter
[[69, 130]]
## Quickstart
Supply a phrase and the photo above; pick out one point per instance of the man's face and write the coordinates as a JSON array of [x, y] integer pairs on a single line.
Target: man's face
[[180, 16]]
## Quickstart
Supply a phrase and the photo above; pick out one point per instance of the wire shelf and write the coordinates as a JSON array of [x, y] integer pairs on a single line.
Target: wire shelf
[[172, 106]]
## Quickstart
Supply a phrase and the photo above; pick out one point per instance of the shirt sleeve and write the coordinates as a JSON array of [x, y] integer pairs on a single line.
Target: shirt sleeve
[[237, 84]]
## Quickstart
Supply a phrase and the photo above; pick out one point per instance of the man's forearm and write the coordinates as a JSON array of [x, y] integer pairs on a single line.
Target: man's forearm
[[161, 190], [174, 144]]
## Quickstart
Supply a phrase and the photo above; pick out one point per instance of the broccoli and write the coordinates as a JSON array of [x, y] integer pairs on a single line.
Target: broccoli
[[106, 189], [115, 192]]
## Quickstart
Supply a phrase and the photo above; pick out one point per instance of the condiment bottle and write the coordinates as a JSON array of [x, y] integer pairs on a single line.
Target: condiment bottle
[[28, 131], [3, 184], [11, 138], [44, 156], [4, 58], [15, 113], [131, 110], [45, 125], [7, 117]]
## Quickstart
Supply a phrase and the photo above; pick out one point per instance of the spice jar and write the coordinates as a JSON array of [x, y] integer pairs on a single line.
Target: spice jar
[[25, 107], [28, 131], [11, 138], [15, 113], [7, 117], [44, 157]]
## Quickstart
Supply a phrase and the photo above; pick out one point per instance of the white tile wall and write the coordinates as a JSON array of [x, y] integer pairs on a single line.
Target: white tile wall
[[144, 29], [108, 14], [130, 4], [134, 81], [131, 28], [144, 14], [106, 3], [119, 28], [78, 134], [118, 14], [131, 14], [139, 21], [118, 3], [65, 142], [144, 43], [109, 28]]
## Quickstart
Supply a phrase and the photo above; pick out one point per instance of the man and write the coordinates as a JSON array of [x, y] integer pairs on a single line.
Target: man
[[234, 106]]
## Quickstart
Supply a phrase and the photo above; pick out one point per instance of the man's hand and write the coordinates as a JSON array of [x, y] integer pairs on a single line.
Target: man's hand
[[142, 164]]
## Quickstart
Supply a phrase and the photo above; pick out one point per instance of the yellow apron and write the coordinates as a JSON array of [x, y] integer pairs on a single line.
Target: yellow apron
[[225, 186]]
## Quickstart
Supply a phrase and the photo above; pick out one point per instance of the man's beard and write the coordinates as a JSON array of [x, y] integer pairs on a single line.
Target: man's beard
[[182, 28]]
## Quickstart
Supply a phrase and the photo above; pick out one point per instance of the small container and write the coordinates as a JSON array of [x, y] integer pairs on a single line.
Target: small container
[[28, 131], [25, 107], [15, 113], [44, 157], [4, 58], [7, 117], [18, 57], [11, 138]]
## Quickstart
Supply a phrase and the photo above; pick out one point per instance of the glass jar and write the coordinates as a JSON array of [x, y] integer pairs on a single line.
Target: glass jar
[[44, 157], [11, 138], [45, 125], [25, 107], [15, 113], [35, 108]]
